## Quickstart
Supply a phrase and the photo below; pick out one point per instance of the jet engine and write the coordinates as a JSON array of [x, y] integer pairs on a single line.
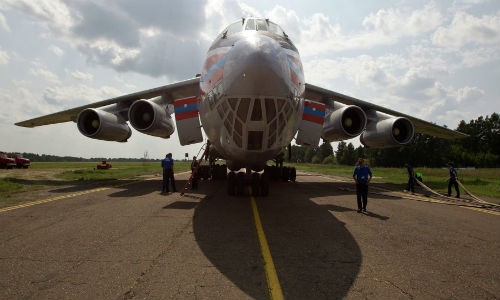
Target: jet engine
[[386, 131], [343, 122], [151, 118], [102, 125]]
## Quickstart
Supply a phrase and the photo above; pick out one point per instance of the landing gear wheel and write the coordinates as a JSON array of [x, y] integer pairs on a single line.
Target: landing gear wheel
[[240, 184], [293, 174], [231, 184], [264, 184], [285, 174], [255, 184]]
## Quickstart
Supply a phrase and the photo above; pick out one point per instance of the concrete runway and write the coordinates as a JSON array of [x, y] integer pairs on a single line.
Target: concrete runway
[[130, 242]]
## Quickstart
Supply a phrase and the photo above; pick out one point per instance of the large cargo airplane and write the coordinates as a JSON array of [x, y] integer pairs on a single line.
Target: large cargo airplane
[[251, 100]]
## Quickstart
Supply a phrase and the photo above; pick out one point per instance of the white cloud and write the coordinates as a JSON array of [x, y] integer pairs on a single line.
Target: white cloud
[[467, 29], [71, 95], [42, 72], [467, 94], [4, 57], [53, 13], [478, 56], [3, 23], [318, 35], [56, 50], [81, 75], [396, 23]]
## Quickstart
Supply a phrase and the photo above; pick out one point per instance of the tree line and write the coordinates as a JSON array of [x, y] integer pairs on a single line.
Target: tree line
[[55, 158], [480, 149]]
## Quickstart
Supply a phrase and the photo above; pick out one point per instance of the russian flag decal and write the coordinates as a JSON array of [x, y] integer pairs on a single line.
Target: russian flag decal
[[186, 108], [314, 112]]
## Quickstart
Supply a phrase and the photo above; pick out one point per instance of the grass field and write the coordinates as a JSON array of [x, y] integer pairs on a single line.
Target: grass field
[[43, 175], [481, 182]]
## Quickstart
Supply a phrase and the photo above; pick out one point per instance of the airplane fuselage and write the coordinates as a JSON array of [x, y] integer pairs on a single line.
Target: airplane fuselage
[[252, 87]]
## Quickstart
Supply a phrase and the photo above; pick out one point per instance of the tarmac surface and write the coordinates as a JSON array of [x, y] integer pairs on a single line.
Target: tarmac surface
[[131, 242]]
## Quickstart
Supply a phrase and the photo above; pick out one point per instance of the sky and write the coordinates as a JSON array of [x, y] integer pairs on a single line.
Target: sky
[[435, 60]]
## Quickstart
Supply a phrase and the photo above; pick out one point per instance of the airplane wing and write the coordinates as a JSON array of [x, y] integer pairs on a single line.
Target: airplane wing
[[176, 90], [319, 94]]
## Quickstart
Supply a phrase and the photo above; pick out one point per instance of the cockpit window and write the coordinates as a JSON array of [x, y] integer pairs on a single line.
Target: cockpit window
[[261, 25], [250, 25], [234, 28], [274, 28]]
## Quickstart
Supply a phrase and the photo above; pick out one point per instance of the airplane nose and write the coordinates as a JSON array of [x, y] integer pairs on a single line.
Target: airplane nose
[[256, 66]]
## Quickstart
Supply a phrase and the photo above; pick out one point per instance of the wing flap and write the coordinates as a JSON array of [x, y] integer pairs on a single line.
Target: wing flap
[[319, 94], [176, 90]]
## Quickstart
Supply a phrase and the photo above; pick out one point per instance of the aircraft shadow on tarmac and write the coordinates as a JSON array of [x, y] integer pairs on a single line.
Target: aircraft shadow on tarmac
[[315, 256]]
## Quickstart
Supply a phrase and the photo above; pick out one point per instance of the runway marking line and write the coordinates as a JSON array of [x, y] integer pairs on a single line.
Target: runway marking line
[[67, 196], [273, 283], [52, 199]]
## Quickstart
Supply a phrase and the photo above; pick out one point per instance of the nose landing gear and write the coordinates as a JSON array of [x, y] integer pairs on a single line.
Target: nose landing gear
[[257, 184]]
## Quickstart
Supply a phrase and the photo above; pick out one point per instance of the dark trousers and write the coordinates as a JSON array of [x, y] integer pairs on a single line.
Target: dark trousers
[[411, 185], [455, 183], [168, 175], [362, 194]]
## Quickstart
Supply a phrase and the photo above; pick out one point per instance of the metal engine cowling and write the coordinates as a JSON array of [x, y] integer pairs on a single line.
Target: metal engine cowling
[[343, 122], [103, 125], [151, 118], [386, 133]]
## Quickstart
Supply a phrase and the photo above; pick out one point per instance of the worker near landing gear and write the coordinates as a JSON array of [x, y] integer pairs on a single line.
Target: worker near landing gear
[[167, 165], [362, 176], [453, 180]]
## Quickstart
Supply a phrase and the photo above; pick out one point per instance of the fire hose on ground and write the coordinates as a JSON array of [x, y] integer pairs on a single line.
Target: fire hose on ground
[[462, 186]]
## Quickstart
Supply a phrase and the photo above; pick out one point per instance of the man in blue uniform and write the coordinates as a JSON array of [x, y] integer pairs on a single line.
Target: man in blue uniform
[[453, 180], [167, 165], [362, 176]]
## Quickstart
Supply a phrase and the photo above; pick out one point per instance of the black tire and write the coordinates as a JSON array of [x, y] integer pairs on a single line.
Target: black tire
[[231, 184], [255, 184], [264, 184], [285, 174], [240, 184], [293, 174]]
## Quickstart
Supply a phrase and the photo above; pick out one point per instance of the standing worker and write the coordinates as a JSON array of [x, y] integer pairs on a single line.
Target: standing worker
[[168, 173], [453, 180], [362, 176], [411, 178], [194, 176], [194, 163]]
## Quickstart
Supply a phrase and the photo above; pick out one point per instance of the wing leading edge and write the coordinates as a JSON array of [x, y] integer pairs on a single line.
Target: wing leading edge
[[319, 94], [173, 91]]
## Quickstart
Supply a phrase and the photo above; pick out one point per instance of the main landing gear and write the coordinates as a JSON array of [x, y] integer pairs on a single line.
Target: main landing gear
[[257, 184]]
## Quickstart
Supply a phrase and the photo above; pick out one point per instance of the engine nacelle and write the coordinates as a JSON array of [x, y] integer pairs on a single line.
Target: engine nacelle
[[103, 125], [150, 118], [343, 122], [386, 133]]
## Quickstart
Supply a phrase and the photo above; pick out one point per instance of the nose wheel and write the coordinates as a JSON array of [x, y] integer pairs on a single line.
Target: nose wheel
[[257, 184], [253, 184]]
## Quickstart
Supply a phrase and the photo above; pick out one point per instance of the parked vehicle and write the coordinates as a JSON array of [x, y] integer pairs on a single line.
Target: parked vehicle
[[21, 162], [103, 165], [6, 162]]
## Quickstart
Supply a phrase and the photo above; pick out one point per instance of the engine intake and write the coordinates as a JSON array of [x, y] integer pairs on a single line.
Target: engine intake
[[386, 133], [343, 122], [103, 125], [150, 118]]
